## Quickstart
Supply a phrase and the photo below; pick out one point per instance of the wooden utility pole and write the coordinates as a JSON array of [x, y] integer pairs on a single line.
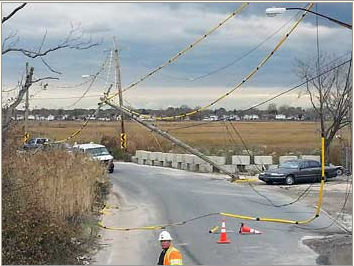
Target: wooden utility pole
[[123, 137], [26, 104], [234, 176]]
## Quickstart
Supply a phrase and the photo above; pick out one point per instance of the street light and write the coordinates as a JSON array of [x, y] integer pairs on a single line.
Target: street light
[[273, 11]]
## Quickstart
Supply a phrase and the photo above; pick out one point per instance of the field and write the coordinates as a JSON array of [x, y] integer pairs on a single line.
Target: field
[[220, 138]]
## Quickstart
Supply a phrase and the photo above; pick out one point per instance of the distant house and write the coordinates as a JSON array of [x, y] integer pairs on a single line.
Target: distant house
[[280, 117], [20, 117], [234, 118], [50, 117], [251, 117], [147, 118]]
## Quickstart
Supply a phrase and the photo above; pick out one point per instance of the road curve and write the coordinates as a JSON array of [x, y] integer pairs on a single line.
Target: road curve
[[154, 195]]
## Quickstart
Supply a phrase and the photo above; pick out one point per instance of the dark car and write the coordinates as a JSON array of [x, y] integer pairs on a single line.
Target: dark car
[[35, 143], [294, 171]]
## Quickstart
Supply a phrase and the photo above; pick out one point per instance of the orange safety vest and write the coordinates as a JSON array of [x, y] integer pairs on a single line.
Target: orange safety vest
[[172, 257]]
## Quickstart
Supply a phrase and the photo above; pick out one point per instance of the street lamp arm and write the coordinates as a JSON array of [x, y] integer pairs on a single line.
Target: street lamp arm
[[331, 19]]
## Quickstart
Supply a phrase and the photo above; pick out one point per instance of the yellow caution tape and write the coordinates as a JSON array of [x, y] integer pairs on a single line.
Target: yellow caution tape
[[236, 87], [244, 180], [214, 229]]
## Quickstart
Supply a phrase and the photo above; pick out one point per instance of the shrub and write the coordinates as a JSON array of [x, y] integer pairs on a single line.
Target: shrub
[[47, 198]]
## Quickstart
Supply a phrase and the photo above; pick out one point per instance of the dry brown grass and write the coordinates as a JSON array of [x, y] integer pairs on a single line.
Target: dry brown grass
[[260, 137], [45, 198]]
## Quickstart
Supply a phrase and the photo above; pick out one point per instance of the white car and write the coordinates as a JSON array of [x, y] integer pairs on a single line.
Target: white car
[[98, 152]]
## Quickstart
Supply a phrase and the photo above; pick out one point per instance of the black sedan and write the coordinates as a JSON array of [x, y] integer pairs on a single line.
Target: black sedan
[[294, 171]]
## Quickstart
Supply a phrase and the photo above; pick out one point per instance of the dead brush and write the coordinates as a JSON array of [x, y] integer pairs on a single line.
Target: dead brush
[[40, 192]]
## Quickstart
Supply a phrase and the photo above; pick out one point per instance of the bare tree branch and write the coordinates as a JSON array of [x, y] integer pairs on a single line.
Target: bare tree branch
[[330, 97], [40, 79], [74, 40], [13, 13], [49, 67]]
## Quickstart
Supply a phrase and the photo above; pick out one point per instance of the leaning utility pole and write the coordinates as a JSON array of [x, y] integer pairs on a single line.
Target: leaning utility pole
[[26, 104], [171, 138], [123, 136]]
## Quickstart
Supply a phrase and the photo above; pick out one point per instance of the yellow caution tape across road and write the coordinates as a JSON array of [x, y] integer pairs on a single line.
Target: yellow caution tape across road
[[238, 216]]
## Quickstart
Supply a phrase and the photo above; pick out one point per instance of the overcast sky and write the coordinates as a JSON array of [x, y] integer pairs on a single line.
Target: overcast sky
[[148, 34]]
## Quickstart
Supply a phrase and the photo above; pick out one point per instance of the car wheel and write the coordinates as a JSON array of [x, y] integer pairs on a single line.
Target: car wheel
[[289, 180], [339, 171]]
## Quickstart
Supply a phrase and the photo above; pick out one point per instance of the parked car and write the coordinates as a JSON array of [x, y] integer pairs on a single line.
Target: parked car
[[35, 143], [340, 170], [294, 171], [99, 152]]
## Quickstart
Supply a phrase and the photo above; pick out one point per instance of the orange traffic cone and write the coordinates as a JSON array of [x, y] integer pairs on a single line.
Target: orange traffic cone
[[248, 230], [223, 237]]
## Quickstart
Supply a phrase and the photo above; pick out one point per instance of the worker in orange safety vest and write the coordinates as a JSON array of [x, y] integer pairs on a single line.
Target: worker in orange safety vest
[[169, 255]]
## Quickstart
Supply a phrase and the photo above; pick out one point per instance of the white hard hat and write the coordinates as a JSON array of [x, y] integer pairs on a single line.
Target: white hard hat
[[164, 235]]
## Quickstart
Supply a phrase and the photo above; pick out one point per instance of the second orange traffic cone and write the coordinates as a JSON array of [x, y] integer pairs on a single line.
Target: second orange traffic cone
[[223, 237], [248, 230]]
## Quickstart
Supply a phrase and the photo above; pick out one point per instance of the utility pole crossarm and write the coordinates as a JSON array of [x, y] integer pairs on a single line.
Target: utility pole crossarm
[[171, 138]]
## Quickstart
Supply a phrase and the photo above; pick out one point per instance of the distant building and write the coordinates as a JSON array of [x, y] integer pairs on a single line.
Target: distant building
[[251, 117], [50, 117], [280, 117], [234, 118]]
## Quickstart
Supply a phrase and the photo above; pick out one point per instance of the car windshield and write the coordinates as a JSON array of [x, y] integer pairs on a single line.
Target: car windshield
[[289, 164], [98, 151]]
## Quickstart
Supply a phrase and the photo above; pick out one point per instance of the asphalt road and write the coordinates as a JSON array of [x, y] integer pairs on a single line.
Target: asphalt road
[[153, 195]]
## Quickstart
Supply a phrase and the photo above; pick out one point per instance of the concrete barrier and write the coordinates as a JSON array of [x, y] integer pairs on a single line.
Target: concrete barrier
[[230, 168], [283, 159], [192, 167], [142, 154], [241, 160], [171, 157], [253, 168], [180, 158], [198, 160], [311, 157], [167, 164], [189, 158], [159, 156], [134, 159], [263, 160], [141, 161], [219, 160], [175, 165], [205, 168]]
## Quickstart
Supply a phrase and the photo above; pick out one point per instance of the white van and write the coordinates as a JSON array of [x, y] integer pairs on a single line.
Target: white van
[[98, 152]]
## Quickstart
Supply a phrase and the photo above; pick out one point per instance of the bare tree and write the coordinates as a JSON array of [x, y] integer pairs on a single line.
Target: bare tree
[[13, 12], [330, 94], [75, 39]]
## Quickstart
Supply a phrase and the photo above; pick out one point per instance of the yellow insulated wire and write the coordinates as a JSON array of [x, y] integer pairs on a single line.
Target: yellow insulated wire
[[239, 84], [174, 58]]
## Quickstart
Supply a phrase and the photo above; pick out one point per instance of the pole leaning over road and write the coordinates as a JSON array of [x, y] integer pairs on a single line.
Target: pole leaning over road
[[176, 141], [119, 89]]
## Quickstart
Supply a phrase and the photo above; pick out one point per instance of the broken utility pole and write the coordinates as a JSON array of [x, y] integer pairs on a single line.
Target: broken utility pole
[[172, 139]]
